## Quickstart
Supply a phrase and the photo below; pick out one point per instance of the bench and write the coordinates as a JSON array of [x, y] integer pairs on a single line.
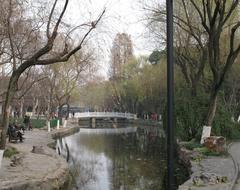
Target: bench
[[14, 137]]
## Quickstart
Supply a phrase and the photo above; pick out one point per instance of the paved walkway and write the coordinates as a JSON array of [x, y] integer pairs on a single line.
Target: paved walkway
[[221, 166], [228, 166], [36, 170], [235, 152]]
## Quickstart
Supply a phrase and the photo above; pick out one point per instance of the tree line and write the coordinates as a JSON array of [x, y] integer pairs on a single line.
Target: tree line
[[206, 54]]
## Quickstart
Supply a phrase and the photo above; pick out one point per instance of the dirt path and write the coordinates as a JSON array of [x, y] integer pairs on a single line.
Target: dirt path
[[35, 171]]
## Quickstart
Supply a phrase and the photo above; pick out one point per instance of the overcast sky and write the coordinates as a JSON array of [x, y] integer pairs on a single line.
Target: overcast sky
[[121, 16]]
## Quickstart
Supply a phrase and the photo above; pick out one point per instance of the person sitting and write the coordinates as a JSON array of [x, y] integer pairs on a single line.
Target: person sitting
[[22, 128], [19, 127], [20, 136], [14, 133], [11, 132]]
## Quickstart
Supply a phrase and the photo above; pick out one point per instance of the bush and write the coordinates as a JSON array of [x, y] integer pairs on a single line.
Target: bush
[[235, 133], [189, 114], [223, 125], [206, 152], [53, 123], [10, 152], [192, 145], [38, 123]]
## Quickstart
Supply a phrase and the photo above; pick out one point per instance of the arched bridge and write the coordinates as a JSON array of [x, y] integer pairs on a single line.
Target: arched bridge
[[105, 115]]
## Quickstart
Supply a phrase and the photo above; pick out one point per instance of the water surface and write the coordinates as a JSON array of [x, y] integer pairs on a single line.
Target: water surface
[[107, 161]]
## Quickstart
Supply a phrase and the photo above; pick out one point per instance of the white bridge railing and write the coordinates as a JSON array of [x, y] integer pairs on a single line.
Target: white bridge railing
[[105, 115]]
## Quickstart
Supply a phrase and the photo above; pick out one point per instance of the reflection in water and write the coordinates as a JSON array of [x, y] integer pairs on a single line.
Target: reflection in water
[[130, 161]]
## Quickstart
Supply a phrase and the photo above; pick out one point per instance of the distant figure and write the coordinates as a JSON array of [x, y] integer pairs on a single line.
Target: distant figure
[[26, 121], [154, 116], [10, 132], [15, 114], [73, 114], [30, 126]]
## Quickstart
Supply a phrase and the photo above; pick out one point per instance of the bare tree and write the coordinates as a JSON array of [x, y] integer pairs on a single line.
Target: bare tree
[[41, 55], [189, 38], [29, 94], [68, 76], [212, 27], [215, 17]]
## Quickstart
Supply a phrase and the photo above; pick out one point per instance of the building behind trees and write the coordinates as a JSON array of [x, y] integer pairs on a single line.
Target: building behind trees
[[121, 53]]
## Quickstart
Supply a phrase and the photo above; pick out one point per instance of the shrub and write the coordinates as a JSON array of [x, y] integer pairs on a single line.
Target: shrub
[[189, 114], [192, 145], [223, 125], [53, 123], [38, 123], [10, 152], [206, 152]]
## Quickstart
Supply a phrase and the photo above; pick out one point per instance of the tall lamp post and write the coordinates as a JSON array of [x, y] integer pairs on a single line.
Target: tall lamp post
[[170, 95]]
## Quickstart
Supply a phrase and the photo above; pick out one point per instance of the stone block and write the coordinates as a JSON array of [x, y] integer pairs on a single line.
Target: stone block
[[208, 179], [16, 160], [38, 150], [215, 143]]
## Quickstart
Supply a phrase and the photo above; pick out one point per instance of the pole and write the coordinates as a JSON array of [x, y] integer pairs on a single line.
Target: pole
[[170, 95]]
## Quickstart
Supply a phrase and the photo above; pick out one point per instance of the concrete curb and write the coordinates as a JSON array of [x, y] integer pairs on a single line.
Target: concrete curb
[[236, 167], [62, 132]]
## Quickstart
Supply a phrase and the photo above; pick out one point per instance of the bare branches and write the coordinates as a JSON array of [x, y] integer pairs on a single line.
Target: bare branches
[[50, 19], [233, 53], [233, 7], [29, 87], [232, 37], [201, 14], [77, 48], [9, 31], [64, 56], [41, 54], [54, 33]]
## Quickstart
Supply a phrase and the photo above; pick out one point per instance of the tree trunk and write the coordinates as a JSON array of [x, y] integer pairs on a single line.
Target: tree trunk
[[60, 115], [12, 87], [68, 110], [194, 88], [211, 109], [48, 106], [21, 108], [213, 54], [35, 106], [5, 123], [39, 111]]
